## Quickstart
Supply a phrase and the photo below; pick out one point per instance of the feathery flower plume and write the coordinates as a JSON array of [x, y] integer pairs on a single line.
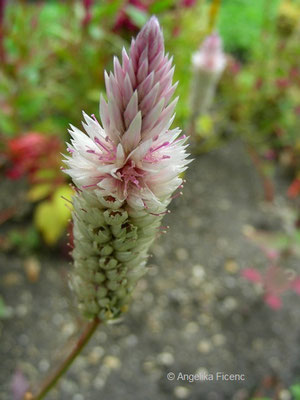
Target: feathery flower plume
[[125, 170], [208, 64]]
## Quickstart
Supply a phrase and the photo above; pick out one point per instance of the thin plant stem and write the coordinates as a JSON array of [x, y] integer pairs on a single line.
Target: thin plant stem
[[51, 381]]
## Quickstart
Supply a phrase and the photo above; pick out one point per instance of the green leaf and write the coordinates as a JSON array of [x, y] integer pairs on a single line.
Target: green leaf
[[159, 6], [295, 390]]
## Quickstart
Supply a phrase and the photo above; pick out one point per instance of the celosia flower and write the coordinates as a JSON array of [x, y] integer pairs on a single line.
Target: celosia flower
[[126, 170], [208, 64]]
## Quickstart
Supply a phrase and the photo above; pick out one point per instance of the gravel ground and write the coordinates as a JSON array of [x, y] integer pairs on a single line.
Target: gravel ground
[[192, 313]]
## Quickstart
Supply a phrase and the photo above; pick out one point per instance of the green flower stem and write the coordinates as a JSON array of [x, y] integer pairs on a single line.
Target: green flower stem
[[53, 379]]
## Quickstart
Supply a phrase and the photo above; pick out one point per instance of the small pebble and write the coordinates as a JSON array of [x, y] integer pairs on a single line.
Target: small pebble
[[204, 346], [165, 358], [181, 392], [198, 272], [112, 362], [95, 355]]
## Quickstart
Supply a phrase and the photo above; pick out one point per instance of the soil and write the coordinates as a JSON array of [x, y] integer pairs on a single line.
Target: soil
[[192, 313]]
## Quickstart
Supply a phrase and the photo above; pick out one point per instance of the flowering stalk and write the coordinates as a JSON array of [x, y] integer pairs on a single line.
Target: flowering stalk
[[208, 64], [125, 171]]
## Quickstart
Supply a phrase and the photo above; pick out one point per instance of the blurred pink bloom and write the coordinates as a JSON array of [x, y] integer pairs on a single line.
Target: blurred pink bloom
[[26, 152], [273, 301], [188, 3], [133, 156], [124, 20], [210, 57], [252, 275], [275, 282], [87, 4]]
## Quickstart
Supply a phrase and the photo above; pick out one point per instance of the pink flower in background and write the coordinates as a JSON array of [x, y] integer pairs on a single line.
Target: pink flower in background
[[210, 57], [133, 155], [275, 282], [124, 20]]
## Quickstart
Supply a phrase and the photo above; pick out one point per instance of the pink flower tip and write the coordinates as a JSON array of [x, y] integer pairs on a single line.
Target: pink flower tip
[[133, 155], [210, 57]]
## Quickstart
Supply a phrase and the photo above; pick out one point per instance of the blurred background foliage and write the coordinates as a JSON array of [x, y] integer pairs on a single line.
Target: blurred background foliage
[[53, 55]]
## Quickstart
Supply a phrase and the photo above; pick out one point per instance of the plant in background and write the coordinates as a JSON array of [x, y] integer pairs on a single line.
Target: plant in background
[[208, 64], [275, 280], [125, 172], [261, 103], [36, 156]]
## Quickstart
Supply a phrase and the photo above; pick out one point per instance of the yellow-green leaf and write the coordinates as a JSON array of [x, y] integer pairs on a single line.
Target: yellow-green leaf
[[39, 192], [51, 216]]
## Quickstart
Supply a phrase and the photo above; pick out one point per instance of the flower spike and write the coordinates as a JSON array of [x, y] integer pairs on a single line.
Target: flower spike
[[126, 169]]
